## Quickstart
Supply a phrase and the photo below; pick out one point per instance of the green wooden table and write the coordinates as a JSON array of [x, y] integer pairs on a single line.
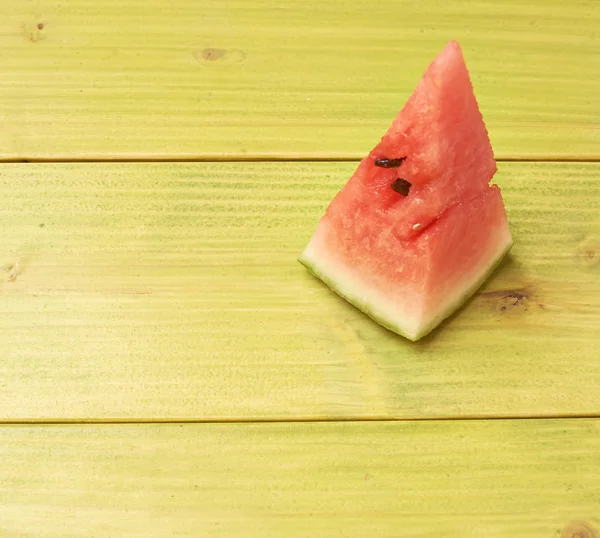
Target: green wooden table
[[169, 369]]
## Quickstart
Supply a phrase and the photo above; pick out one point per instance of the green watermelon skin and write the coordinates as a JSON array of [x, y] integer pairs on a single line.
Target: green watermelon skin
[[410, 261], [411, 286]]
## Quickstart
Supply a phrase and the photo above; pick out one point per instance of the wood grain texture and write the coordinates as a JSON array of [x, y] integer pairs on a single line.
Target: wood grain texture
[[172, 291], [495, 479], [186, 79]]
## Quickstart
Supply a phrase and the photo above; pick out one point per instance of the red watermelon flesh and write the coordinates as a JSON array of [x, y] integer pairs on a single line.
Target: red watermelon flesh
[[448, 154], [409, 257]]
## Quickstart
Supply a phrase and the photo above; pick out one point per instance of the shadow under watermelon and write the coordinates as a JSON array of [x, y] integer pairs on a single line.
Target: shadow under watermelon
[[505, 291]]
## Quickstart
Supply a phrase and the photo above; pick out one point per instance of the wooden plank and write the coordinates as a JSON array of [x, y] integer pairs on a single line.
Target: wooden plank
[[153, 291], [477, 478], [159, 79]]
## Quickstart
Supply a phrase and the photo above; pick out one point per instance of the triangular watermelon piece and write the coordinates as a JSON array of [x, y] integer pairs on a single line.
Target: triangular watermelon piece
[[418, 228]]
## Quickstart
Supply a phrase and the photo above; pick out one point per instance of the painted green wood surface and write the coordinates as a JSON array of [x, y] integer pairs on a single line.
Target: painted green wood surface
[[156, 292], [161, 291], [188, 79], [509, 479]]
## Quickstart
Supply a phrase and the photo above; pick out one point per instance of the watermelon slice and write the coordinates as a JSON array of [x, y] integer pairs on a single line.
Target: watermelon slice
[[418, 227]]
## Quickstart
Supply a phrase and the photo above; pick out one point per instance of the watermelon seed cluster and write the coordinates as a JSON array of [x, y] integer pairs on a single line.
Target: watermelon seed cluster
[[401, 186]]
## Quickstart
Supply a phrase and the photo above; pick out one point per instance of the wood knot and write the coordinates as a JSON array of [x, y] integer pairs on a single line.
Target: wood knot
[[588, 252], [32, 32], [510, 300], [577, 529], [212, 55], [13, 271], [215, 56]]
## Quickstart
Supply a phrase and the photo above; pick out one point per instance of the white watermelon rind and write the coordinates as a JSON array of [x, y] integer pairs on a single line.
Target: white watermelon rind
[[346, 286]]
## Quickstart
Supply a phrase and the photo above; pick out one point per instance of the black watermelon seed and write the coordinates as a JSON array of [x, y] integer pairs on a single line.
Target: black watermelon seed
[[389, 163], [401, 186]]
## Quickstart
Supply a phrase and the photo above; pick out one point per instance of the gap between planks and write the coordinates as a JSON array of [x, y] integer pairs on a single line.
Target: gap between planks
[[290, 420], [284, 157]]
